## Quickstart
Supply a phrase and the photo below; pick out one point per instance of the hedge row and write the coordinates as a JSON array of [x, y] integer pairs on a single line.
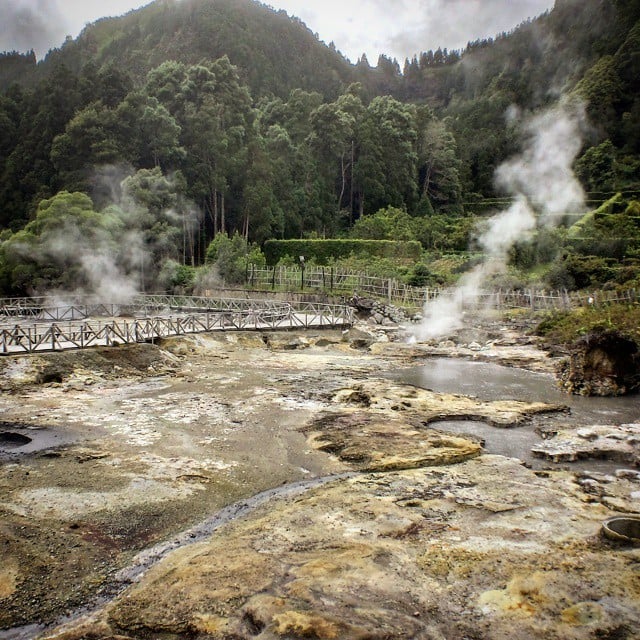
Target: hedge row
[[323, 250]]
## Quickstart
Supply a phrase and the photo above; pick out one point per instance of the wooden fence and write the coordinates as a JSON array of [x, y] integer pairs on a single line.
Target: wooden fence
[[348, 283]]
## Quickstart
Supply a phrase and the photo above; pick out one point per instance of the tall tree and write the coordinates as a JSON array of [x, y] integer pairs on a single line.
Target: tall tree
[[386, 168]]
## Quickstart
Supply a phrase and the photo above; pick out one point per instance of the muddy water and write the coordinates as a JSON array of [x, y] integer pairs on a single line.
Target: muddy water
[[488, 381], [20, 439]]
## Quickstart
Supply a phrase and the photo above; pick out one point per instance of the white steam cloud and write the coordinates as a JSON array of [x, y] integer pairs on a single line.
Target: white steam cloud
[[544, 189], [111, 256]]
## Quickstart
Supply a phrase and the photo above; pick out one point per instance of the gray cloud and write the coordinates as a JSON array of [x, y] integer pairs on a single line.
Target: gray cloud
[[453, 23], [398, 28], [402, 28], [43, 24], [31, 24]]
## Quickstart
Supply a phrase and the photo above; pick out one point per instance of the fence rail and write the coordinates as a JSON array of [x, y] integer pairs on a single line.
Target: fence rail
[[33, 333], [330, 279]]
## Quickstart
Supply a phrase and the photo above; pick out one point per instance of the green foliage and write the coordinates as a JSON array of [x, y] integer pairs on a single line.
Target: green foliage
[[323, 251], [422, 276], [566, 326], [49, 251], [601, 89], [611, 231], [444, 233], [231, 257], [177, 278], [581, 272], [543, 248], [597, 169], [386, 224], [266, 148], [386, 170]]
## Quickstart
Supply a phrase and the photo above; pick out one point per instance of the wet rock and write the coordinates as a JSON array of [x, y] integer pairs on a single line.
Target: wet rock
[[378, 313], [628, 474], [427, 406], [602, 364], [529, 356], [80, 369], [369, 442], [358, 338], [287, 343], [363, 304], [618, 443]]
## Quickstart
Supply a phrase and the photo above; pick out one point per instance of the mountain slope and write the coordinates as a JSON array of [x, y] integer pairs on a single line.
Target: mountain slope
[[274, 53]]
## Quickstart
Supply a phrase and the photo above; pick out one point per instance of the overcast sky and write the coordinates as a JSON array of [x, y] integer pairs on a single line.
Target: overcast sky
[[398, 28]]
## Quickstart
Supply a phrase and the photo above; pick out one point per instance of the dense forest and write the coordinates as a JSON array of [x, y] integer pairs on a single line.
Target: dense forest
[[157, 132]]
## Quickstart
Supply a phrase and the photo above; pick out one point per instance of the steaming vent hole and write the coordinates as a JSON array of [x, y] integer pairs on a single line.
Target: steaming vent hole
[[12, 440]]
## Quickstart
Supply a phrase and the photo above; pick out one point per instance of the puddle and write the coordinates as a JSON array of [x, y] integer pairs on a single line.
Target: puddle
[[12, 440], [487, 381], [18, 439]]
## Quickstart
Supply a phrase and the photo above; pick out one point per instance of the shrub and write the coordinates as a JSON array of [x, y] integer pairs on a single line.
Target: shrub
[[323, 251], [176, 277], [231, 257], [564, 327], [421, 276]]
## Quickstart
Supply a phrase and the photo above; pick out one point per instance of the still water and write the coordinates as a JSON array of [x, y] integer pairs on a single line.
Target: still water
[[487, 381]]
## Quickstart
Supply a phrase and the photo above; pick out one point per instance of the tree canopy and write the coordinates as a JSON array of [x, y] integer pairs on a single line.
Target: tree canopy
[[231, 118]]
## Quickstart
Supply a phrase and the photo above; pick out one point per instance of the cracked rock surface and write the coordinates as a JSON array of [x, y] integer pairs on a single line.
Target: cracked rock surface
[[426, 536], [483, 549]]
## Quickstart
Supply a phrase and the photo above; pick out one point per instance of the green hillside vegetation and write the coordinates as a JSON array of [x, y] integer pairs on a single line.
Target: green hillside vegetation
[[274, 52], [188, 121]]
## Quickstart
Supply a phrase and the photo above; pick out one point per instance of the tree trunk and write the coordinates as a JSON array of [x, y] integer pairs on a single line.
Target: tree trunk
[[343, 175], [245, 227], [427, 181], [184, 238], [223, 224], [351, 185], [215, 213]]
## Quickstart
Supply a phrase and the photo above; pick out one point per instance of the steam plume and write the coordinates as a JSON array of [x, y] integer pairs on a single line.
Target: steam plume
[[544, 189], [119, 253]]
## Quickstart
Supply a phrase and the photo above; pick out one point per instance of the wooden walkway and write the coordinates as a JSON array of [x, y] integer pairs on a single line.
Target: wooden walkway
[[35, 327]]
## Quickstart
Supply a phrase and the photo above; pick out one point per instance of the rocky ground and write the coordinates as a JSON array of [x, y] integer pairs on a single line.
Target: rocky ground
[[418, 535]]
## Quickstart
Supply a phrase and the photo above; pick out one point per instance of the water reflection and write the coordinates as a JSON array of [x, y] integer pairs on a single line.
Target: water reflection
[[488, 381]]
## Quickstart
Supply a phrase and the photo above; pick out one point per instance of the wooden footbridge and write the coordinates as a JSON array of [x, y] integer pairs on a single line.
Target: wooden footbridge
[[29, 325]]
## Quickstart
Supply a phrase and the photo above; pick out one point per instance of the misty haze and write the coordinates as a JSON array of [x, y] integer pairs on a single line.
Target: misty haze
[[319, 321]]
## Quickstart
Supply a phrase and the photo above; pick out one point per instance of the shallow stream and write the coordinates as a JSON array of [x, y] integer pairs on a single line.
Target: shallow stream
[[488, 381]]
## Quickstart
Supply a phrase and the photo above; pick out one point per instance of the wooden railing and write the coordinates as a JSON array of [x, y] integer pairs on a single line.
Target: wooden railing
[[27, 329], [347, 283]]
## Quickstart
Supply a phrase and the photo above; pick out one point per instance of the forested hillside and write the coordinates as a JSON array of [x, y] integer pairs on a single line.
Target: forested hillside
[[186, 119]]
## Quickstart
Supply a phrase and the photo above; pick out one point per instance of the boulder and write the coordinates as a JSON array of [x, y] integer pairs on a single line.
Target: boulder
[[602, 364]]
